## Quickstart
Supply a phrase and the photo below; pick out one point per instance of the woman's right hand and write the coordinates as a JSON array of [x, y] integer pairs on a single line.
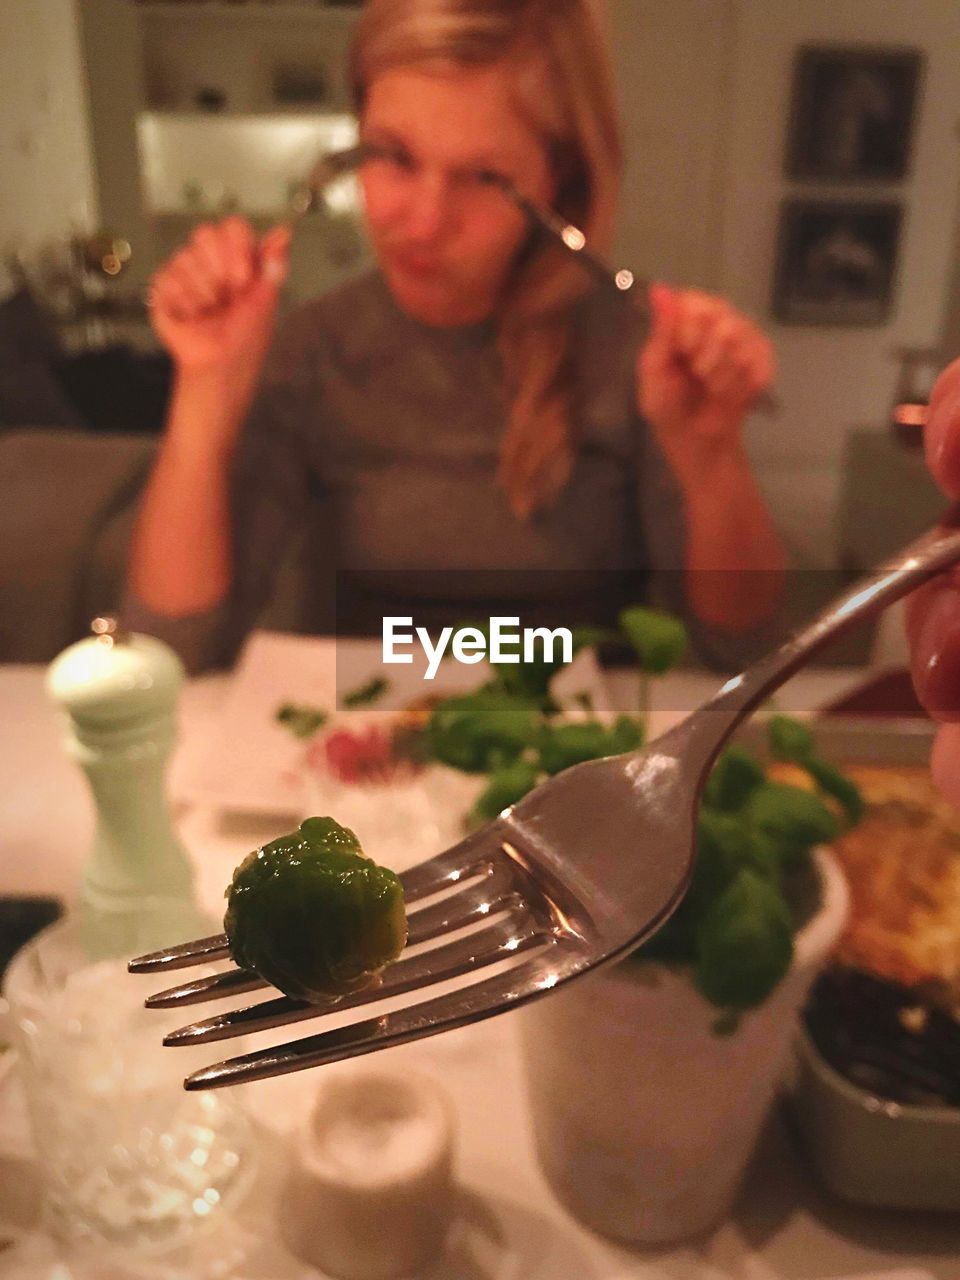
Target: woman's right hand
[[214, 302]]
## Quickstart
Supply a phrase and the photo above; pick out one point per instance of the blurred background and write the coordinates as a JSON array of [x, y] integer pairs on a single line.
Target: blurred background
[[122, 124]]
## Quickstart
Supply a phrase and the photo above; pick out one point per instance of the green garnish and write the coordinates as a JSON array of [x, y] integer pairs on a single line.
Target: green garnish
[[312, 915], [793, 819], [789, 739], [836, 784], [367, 694], [744, 943], [482, 731], [505, 786], [302, 721], [733, 931], [658, 639], [734, 776], [563, 745], [792, 741]]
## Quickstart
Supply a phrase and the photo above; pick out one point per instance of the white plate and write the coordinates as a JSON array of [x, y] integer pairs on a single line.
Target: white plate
[[252, 764]]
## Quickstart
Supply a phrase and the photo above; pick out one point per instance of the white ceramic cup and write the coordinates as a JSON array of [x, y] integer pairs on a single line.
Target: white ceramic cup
[[644, 1117]]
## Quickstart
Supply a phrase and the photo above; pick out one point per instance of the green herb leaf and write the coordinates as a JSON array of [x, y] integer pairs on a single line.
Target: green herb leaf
[[658, 639], [482, 730], [732, 779], [302, 721], [726, 843], [789, 739], [793, 819], [745, 943], [592, 637], [836, 784], [563, 745], [367, 694], [505, 787], [627, 735]]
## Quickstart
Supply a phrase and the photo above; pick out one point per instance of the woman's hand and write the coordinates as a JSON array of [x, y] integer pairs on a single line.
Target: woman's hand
[[213, 303], [701, 369], [933, 612]]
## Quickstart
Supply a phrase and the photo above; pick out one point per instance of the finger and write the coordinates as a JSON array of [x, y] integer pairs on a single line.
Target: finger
[[192, 275], [720, 346], [659, 348], [945, 761], [745, 373], [942, 433], [698, 312], [275, 252], [168, 296], [731, 384], [209, 251], [933, 629], [240, 249]]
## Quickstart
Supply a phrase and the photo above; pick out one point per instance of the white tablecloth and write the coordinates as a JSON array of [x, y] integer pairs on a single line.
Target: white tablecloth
[[784, 1228]]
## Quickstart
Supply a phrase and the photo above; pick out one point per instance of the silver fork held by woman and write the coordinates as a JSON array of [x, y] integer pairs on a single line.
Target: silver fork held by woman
[[574, 876]]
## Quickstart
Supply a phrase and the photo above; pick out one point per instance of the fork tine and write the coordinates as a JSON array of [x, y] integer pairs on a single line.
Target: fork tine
[[452, 866], [439, 964], [232, 982], [200, 951], [490, 896], [479, 1000]]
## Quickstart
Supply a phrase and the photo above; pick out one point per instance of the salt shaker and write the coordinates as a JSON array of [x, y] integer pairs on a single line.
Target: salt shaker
[[370, 1194], [120, 692]]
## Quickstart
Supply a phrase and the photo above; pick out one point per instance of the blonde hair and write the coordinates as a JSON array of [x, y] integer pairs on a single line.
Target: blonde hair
[[564, 85]]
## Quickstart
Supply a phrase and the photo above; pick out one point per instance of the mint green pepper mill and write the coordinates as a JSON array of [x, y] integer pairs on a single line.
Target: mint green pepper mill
[[120, 694]]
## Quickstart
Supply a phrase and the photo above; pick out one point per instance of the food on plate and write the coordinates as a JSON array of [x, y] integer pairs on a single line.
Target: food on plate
[[302, 721], [903, 866], [887, 1013], [367, 694], [313, 915]]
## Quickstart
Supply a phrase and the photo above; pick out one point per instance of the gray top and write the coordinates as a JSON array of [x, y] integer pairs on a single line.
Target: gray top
[[381, 436]]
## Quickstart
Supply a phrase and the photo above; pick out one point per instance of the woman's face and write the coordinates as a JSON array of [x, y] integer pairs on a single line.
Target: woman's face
[[445, 240]]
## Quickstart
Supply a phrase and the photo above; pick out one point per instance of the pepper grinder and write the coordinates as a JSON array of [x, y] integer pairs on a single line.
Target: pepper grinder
[[119, 691]]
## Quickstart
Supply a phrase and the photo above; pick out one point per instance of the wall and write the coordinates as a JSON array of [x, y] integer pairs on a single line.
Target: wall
[[673, 60], [159, 57], [705, 89], [110, 44], [46, 164], [833, 379]]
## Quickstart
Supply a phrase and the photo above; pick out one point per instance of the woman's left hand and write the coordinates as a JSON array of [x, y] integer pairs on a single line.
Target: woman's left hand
[[700, 371]]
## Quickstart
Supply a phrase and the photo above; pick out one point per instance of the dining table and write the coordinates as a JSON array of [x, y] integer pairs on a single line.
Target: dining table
[[784, 1226]]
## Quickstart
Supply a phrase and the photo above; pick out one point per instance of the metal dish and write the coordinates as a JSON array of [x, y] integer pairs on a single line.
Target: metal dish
[[868, 1149]]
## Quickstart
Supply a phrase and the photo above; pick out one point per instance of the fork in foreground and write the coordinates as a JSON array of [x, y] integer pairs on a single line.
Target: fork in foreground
[[574, 876]]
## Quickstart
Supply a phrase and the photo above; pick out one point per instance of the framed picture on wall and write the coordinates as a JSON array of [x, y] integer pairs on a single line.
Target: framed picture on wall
[[836, 261], [853, 113]]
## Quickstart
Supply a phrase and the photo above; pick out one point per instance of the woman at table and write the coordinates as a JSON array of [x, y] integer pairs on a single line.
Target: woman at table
[[471, 404], [933, 612]]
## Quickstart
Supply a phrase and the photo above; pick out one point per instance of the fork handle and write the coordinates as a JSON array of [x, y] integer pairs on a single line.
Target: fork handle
[[933, 552]]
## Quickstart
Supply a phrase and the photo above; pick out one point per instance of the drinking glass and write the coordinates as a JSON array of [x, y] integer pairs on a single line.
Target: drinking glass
[[129, 1158]]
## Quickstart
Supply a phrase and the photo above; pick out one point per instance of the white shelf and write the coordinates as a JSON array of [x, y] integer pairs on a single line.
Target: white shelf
[[312, 116], [220, 10], [310, 223], [253, 160]]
